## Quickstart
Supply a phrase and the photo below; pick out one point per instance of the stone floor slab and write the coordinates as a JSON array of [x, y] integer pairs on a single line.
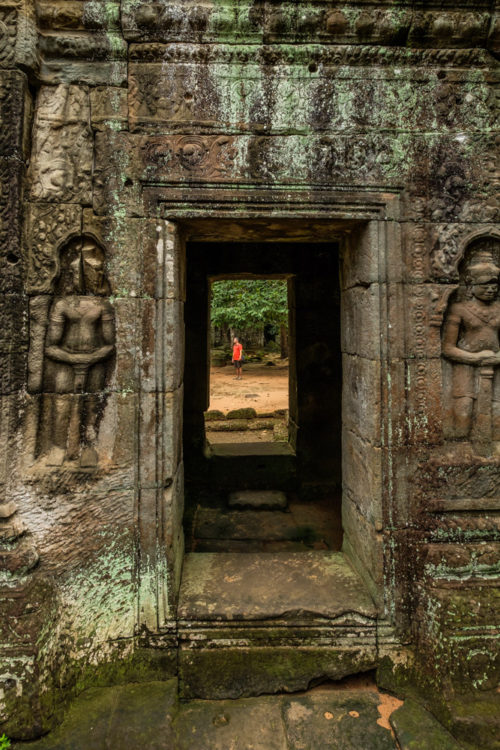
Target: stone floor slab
[[262, 586], [303, 527], [416, 728], [350, 715], [129, 716], [262, 525], [336, 720], [246, 724]]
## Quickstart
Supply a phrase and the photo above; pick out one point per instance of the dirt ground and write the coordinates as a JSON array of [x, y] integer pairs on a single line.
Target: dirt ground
[[262, 387]]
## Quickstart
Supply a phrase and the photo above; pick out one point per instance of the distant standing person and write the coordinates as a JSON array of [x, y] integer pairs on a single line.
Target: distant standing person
[[237, 357]]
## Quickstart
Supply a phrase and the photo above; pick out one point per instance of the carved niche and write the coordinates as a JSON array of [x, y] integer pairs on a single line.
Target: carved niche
[[71, 358], [471, 350]]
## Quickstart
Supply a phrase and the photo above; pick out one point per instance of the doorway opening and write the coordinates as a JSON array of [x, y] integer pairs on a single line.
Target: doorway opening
[[269, 496], [249, 361]]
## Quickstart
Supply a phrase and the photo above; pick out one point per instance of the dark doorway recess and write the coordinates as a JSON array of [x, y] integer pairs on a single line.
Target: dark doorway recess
[[307, 468]]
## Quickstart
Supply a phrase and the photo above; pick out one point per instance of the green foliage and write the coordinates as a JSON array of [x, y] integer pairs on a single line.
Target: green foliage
[[4, 742], [249, 303]]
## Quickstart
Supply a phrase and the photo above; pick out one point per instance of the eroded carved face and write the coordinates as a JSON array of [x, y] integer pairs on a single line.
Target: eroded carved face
[[93, 269], [485, 290], [83, 269], [483, 280], [70, 279]]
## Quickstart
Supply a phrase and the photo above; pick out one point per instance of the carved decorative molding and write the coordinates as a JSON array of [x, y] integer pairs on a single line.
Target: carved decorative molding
[[8, 33], [450, 243], [46, 228], [61, 165], [268, 22], [334, 55]]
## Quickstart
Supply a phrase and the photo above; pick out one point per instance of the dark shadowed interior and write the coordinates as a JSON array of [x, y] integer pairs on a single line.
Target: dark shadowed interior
[[308, 467]]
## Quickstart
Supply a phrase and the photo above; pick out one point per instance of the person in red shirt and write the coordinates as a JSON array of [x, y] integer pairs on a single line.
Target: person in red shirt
[[237, 357]]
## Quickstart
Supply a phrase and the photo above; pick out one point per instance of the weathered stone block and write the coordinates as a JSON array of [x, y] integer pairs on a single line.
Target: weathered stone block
[[83, 46], [117, 440], [104, 716], [230, 425], [362, 475], [124, 242], [359, 261], [108, 108], [162, 344], [164, 262], [243, 413], [215, 673], [361, 326], [84, 73], [227, 587], [363, 545], [126, 368], [361, 397], [160, 436]]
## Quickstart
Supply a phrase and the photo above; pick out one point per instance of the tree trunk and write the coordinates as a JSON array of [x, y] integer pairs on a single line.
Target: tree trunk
[[284, 342]]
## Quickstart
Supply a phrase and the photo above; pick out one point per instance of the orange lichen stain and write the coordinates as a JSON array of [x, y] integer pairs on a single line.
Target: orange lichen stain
[[356, 715], [388, 704], [328, 715]]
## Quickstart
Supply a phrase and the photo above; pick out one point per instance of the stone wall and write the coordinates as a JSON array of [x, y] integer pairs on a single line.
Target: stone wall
[[127, 129]]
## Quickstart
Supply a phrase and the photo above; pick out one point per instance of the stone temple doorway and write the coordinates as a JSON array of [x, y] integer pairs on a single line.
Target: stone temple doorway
[[244, 601], [289, 493]]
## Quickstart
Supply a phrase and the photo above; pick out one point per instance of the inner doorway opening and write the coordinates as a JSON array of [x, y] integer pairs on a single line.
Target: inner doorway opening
[[249, 361], [296, 483]]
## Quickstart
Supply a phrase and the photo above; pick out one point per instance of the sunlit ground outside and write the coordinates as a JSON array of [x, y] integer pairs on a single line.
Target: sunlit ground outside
[[255, 408]]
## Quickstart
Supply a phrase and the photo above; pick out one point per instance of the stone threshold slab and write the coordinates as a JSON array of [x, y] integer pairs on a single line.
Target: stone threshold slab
[[229, 450], [267, 586]]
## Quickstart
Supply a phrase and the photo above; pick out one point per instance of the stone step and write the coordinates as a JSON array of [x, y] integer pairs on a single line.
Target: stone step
[[265, 525], [270, 622], [255, 545], [301, 526], [267, 586], [258, 499], [253, 466]]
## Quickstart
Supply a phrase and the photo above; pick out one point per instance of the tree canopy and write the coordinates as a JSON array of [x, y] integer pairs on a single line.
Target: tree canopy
[[249, 303]]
